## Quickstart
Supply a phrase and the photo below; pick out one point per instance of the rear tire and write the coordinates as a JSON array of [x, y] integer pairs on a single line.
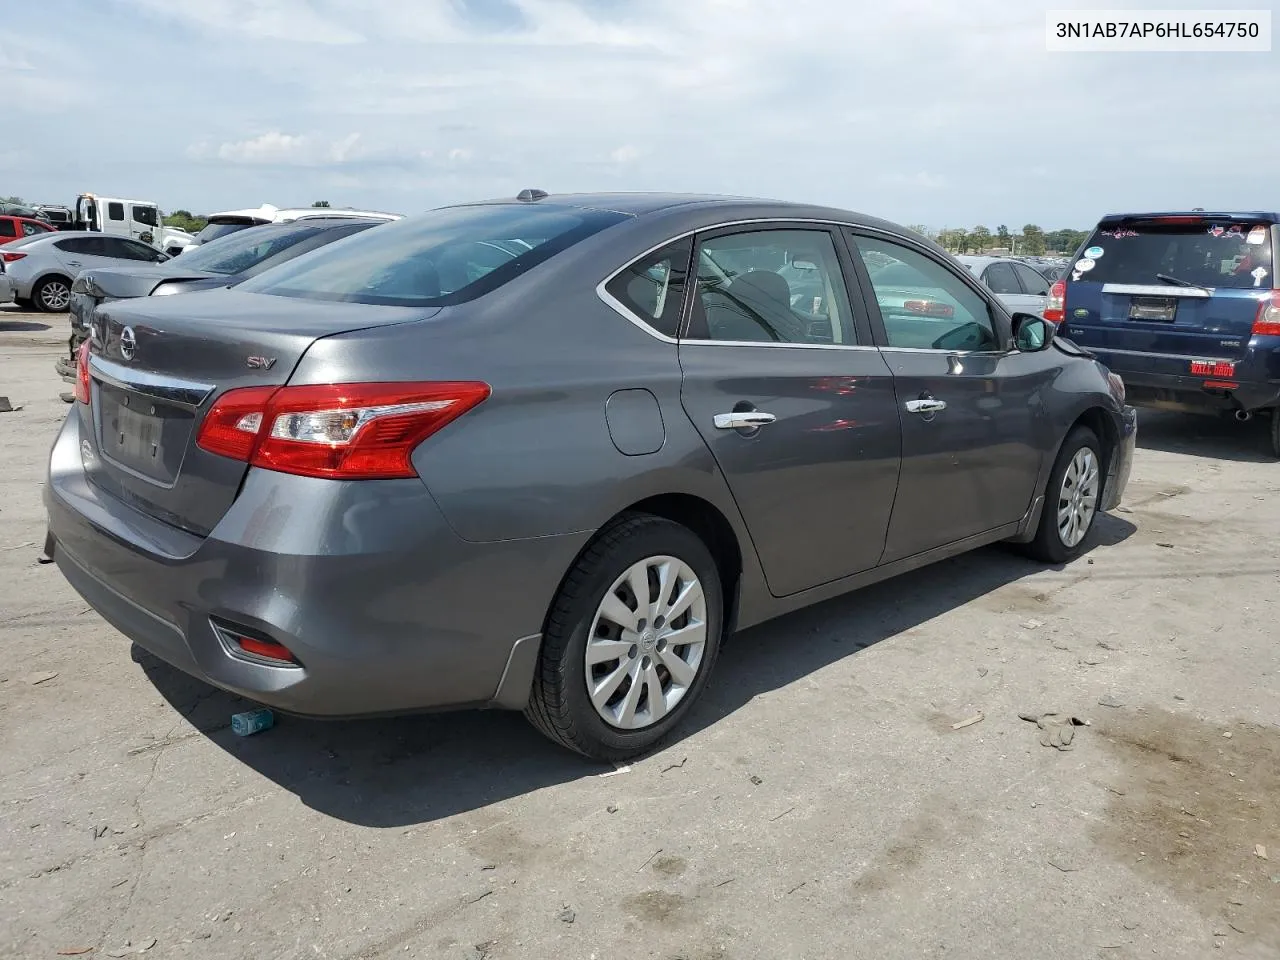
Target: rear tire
[[645, 681], [1275, 432], [52, 295], [1071, 500]]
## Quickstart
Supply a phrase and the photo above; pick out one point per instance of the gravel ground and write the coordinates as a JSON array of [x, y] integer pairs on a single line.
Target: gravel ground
[[821, 803]]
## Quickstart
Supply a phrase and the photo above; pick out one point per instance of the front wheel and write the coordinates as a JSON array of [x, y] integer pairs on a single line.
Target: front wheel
[[52, 295], [630, 640], [1071, 500]]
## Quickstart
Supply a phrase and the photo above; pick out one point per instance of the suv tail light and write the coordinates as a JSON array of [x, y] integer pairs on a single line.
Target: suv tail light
[[347, 431], [11, 256], [82, 372], [1055, 308], [1267, 322]]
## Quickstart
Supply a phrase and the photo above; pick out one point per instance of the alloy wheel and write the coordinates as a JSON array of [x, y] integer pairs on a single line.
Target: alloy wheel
[[55, 295], [646, 643], [1078, 497]]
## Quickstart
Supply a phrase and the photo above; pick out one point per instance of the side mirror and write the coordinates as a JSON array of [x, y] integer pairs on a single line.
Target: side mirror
[[1032, 334]]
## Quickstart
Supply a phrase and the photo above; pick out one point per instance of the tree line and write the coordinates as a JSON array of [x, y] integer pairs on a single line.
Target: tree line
[[1031, 241]]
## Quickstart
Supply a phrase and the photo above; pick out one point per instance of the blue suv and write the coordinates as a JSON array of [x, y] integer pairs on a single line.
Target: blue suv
[[1184, 306]]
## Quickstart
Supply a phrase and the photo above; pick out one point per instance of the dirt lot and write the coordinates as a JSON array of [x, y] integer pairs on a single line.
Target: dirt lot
[[820, 805]]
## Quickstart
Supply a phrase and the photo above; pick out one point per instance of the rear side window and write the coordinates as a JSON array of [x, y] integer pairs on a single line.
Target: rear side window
[[1001, 279], [1227, 254], [8, 228], [91, 246], [115, 211], [444, 257], [652, 288]]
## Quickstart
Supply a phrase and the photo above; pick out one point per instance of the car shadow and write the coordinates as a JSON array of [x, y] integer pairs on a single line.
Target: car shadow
[[1222, 438], [393, 772], [22, 326]]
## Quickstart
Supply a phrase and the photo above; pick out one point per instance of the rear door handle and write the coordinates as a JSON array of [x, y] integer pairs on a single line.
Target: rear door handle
[[926, 406], [73, 263], [743, 420]]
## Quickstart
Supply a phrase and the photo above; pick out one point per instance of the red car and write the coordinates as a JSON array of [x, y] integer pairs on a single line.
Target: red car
[[15, 228]]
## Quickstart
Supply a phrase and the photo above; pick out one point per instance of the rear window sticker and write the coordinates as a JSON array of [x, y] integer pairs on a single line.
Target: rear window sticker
[[1258, 275], [1093, 253], [1257, 235], [1234, 232], [1119, 233], [1075, 274], [1085, 265]]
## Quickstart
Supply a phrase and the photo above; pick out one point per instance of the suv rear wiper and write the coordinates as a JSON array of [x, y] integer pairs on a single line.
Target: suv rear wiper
[[1180, 283]]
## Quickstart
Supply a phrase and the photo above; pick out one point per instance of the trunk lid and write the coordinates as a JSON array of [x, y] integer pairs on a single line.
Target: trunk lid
[[1118, 305], [158, 364]]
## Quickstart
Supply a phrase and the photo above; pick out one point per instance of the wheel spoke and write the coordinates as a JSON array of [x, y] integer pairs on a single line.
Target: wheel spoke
[[695, 631], [690, 591], [627, 715], [666, 579], [657, 701], [638, 579], [605, 689], [613, 609], [604, 651], [680, 671]]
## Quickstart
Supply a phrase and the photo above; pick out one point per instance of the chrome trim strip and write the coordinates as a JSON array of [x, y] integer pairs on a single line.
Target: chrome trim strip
[[1158, 290], [1185, 357], [186, 393], [620, 308]]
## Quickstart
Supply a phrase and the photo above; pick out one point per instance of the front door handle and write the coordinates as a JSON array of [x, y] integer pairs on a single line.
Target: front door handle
[[926, 406], [743, 420], [73, 263]]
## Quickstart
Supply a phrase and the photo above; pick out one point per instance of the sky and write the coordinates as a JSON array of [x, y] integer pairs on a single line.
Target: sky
[[920, 111]]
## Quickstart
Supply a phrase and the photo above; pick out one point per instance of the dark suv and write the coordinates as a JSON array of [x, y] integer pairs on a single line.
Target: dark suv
[[1184, 306]]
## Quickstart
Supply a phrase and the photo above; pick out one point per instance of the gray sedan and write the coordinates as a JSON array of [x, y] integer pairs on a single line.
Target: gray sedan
[[43, 267], [545, 454], [1019, 287]]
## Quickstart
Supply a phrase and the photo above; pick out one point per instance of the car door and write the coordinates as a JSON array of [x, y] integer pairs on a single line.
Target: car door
[[144, 222], [83, 253], [1034, 286], [793, 400], [970, 405]]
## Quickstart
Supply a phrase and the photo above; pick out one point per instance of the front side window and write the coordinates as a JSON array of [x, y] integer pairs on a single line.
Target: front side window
[[128, 250], [8, 228], [115, 211], [30, 229], [146, 215], [444, 257], [653, 287], [239, 251], [771, 286], [924, 305], [1001, 279]]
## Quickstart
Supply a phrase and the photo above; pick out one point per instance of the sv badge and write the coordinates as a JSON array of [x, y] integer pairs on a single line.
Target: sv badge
[[261, 363]]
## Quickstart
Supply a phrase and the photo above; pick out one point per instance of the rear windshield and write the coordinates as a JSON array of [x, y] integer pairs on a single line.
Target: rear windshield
[[213, 231], [444, 257], [1211, 254], [244, 249]]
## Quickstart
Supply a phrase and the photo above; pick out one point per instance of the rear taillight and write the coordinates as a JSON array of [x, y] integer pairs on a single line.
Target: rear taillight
[[348, 431], [1055, 308], [11, 256], [1267, 321], [930, 308], [82, 372]]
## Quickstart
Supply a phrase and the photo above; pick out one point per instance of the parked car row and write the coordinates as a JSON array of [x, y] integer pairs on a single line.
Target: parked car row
[[546, 453]]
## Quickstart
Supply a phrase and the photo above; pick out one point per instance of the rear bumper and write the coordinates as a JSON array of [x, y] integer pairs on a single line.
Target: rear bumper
[[387, 610], [1122, 461], [1254, 384]]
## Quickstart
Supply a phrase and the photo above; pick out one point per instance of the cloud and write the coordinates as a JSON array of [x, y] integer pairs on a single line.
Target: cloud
[[923, 111]]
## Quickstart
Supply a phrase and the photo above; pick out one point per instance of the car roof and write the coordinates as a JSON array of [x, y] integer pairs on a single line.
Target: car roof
[[272, 214], [726, 208], [1202, 214]]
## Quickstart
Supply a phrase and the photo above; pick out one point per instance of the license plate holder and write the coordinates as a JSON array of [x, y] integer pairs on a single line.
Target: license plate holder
[[1153, 309], [133, 434]]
